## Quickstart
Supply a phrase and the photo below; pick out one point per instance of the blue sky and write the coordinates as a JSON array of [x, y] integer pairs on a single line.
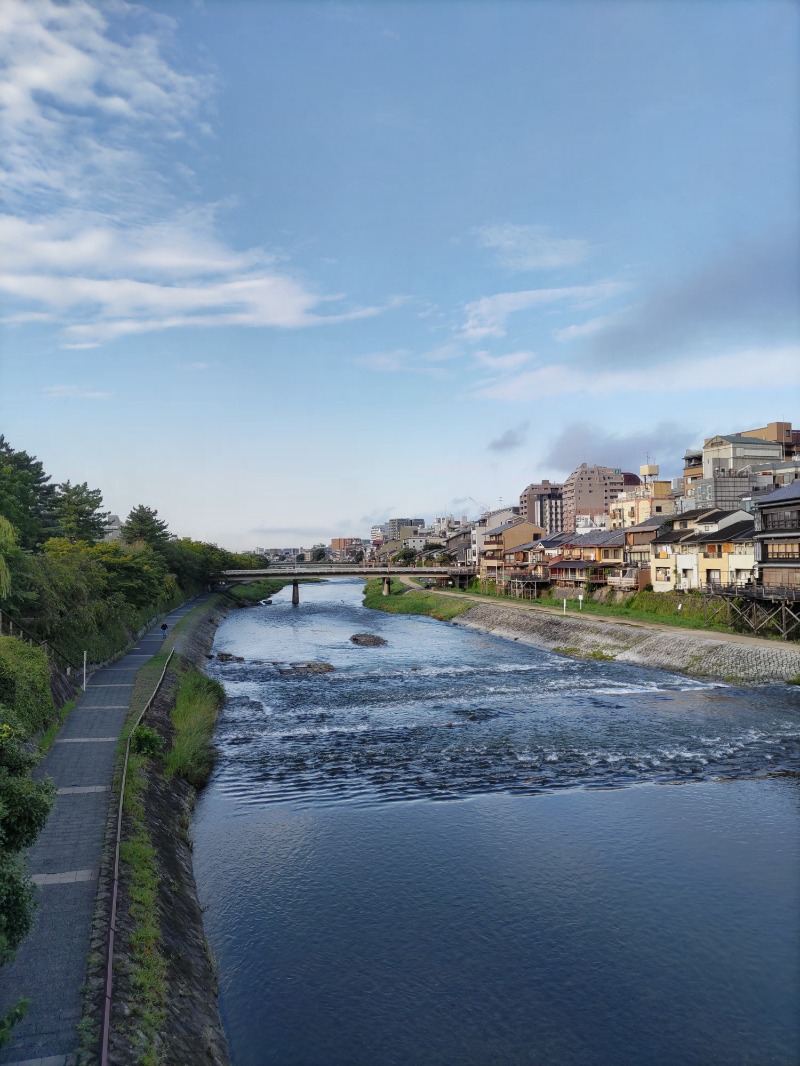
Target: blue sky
[[281, 270]]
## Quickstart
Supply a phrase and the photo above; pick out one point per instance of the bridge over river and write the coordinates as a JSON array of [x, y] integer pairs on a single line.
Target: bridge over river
[[459, 576]]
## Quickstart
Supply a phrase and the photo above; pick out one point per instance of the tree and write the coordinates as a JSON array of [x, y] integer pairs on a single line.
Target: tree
[[144, 524], [8, 545], [319, 555], [26, 498], [405, 557], [78, 513]]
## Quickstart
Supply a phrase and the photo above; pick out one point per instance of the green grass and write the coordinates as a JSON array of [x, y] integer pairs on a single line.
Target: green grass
[[253, 591], [576, 653], [408, 601], [642, 607], [194, 716], [148, 968]]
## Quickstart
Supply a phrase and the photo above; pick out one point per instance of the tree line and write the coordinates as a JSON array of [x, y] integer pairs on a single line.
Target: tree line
[[62, 580]]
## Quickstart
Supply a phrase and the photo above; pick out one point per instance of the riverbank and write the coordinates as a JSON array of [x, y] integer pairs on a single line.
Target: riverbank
[[698, 654], [730, 657], [164, 1008]]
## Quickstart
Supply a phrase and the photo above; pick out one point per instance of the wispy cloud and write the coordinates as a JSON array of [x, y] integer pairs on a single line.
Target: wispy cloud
[[488, 316], [723, 371], [97, 235], [521, 248], [511, 361], [399, 361], [73, 392], [511, 438]]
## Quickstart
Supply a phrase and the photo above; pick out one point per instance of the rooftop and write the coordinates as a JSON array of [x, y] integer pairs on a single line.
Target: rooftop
[[785, 492]]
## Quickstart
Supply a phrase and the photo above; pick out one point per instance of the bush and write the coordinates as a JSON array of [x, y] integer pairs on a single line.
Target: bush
[[146, 741], [25, 686], [24, 807], [16, 906]]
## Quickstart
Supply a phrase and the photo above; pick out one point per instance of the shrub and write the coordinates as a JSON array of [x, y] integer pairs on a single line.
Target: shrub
[[25, 685], [146, 741], [24, 807], [16, 906]]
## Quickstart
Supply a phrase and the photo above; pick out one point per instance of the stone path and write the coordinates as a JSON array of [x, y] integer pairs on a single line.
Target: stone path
[[50, 965]]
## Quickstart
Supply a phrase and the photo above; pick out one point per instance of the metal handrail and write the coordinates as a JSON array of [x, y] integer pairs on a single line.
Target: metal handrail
[[31, 639], [106, 1028]]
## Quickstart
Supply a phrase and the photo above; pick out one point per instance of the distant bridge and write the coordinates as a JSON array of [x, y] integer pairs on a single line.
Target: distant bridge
[[458, 575]]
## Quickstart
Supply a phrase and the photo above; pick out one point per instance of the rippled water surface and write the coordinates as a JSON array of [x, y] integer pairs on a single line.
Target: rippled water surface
[[547, 913]]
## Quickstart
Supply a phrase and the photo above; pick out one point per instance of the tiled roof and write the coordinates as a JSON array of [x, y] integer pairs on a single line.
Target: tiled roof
[[785, 492], [501, 529], [601, 538], [734, 438], [675, 536], [738, 529]]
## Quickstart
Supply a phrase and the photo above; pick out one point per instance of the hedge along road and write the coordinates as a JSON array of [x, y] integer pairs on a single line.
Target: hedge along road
[[50, 966]]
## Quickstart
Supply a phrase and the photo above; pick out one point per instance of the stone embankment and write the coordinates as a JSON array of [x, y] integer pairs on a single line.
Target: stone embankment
[[696, 652]]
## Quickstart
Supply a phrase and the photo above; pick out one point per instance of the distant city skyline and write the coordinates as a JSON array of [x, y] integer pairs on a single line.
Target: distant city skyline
[[282, 271]]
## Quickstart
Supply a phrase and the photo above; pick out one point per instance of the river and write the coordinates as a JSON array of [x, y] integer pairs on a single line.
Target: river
[[454, 849]]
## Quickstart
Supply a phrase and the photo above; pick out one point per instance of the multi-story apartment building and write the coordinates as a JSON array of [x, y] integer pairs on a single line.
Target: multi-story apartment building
[[653, 499], [344, 548], [395, 527], [732, 454], [589, 490], [502, 543], [543, 504], [487, 521], [780, 433], [777, 537], [676, 559]]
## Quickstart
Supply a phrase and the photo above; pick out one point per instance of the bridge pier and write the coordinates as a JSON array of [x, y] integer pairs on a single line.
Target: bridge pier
[[295, 593], [387, 586]]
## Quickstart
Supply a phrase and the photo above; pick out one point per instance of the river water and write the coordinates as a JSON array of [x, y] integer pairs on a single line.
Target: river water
[[455, 849]]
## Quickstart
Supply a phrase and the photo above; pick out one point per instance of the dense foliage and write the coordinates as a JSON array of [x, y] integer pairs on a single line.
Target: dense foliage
[[62, 581]]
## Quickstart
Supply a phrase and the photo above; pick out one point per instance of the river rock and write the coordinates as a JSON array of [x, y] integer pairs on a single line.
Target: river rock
[[299, 669], [367, 640], [226, 657]]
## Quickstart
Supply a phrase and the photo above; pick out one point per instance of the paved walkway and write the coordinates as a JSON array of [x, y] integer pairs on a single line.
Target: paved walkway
[[50, 965]]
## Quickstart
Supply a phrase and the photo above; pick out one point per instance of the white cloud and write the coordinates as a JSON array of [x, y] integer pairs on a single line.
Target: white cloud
[[488, 316], [726, 371], [586, 329], [94, 237], [522, 248], [398, 361], [503, 362], [73, 392]]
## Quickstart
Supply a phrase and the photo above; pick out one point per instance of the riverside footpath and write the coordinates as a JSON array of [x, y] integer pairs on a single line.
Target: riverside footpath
[[50, 966]]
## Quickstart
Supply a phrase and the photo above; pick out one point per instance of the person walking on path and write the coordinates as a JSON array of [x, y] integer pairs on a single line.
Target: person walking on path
[[164, 630]]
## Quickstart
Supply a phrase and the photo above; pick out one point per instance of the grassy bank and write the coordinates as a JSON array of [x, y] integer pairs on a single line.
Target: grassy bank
[[253, 591], [654, 607], [174, 740], [403, 600]]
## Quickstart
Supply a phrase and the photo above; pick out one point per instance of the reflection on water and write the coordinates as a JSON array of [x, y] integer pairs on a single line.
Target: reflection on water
[[530, 922]]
